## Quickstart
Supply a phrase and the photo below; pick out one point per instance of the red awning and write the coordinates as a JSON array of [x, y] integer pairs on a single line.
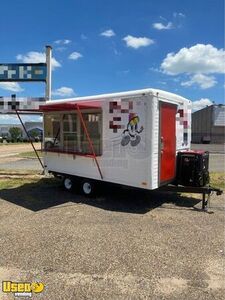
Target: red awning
[[69, 106]]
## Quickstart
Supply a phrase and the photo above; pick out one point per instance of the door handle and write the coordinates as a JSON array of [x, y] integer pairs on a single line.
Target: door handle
[[162, 145]]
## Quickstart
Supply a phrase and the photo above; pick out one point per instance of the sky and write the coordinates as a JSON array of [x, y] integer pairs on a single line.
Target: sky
[[104, 46]]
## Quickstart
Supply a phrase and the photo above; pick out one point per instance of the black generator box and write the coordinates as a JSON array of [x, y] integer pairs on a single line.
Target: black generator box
[[192, 168]]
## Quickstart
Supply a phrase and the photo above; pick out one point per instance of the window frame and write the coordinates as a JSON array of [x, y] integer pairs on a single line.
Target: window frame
[[79, 126]]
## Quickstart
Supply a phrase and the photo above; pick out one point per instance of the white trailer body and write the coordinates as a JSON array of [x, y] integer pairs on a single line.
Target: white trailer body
[[135, 136]]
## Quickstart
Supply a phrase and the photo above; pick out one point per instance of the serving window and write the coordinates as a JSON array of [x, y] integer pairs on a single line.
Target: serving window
[[64, 132]]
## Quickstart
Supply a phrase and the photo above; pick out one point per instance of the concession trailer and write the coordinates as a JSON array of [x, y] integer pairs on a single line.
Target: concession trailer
[[129, 138]]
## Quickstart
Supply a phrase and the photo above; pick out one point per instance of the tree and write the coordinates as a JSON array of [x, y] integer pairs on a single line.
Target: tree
[[33, 133], [15, 133]]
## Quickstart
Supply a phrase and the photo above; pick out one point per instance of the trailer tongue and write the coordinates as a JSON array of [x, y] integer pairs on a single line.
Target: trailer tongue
[[203, 190]]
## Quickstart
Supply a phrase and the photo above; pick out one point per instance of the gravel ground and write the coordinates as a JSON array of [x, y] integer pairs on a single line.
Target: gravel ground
[[10, 161], [15, 163], [216, 162], [123, 245]]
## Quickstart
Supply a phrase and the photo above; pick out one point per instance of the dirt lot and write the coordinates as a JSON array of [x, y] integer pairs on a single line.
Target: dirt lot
[[11, 157], [7, 150], [122, 245]]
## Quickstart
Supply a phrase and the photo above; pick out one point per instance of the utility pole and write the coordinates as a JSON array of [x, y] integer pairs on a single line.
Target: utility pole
[[49, 73]]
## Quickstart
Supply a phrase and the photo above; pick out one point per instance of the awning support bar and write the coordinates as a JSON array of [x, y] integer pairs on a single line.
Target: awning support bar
[[30, 139], [89, 140]]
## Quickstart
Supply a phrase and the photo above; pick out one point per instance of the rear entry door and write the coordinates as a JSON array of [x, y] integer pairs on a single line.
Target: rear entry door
[[167, 143]]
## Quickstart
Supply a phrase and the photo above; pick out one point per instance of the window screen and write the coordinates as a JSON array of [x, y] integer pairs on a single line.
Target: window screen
[[52, 123], [94, 126], [65, 132], [70, 137]]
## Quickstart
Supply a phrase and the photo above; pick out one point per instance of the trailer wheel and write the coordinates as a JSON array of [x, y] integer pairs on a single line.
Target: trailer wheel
[[68, 184], [88, 188]]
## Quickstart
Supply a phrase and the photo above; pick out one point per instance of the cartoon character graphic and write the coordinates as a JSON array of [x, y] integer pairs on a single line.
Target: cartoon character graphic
[[132, 134]]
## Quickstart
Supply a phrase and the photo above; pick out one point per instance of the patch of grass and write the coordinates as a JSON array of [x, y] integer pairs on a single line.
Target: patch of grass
[[217, 180], [18, 172], [14, 182], [10, 183], [30, 154]]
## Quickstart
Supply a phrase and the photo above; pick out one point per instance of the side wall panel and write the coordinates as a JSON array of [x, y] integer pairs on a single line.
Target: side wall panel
[[127, 146], [183, 126], [126, 141]]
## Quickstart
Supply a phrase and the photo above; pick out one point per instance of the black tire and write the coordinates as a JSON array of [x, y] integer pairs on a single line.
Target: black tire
[[88, 188], [68, 184]]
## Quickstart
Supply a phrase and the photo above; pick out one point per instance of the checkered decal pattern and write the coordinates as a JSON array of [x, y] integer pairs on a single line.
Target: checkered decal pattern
[[116, 107], [182, 120], [9, 105], [23, 72]]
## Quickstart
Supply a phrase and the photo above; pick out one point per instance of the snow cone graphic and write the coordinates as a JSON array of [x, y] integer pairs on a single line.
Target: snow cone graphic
[[132, 133]]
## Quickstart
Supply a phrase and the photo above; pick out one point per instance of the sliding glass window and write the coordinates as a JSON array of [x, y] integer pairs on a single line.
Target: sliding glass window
[[52, 136], [93, 122], [65, 132], [70, 137]]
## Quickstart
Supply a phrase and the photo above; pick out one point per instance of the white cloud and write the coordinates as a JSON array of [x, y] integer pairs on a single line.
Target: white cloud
[[62, 42], [137, 42], [200, 58], [153, 69], [37, 57], [108, 33], [13, 119], [162, 18], [203, 81], [75, 55], [161, 26], [176, 22], [83, 36], [63, 92], [60, 49], [9, 119], [199, 104], [178, 14], [116, 52], [11, 86], [123, 72]]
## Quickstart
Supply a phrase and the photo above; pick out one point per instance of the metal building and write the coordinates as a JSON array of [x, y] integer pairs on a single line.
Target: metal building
[[30, 126], [208, 125]]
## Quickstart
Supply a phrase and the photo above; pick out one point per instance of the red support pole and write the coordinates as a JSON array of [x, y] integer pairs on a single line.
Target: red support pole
[[89, 140]]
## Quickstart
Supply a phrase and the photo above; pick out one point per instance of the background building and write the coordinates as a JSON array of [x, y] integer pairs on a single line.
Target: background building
[[30, 127], [208, 125]]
